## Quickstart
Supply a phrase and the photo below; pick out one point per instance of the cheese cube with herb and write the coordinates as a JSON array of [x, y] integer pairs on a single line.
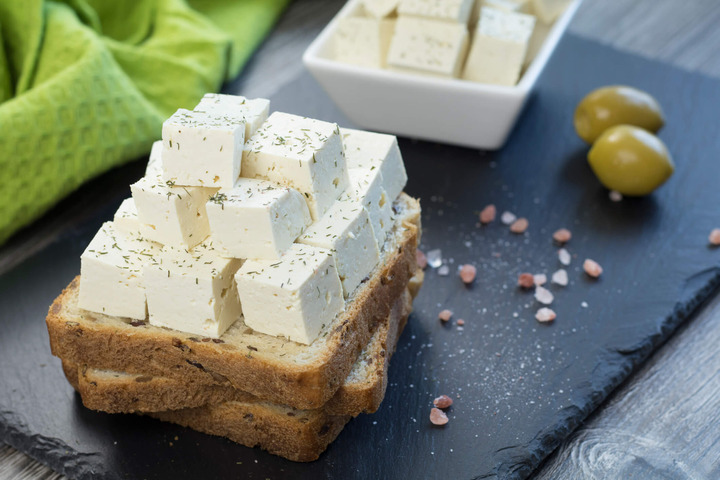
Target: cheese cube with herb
[[499, 47], [126, 220], [380, 8], [548, 11], [363, 41], [447, 10], [253, 111], [346, 231], [295, 297], [202, 148], [301, 153], [366, 189], [257, 219], [154, 165], [111, 268], [174, 215], [428, 47], [376, 151], [193, 291]]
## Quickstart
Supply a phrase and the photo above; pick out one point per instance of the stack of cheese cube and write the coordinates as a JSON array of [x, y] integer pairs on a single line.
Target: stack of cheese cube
[[278, 219], [487, 41]]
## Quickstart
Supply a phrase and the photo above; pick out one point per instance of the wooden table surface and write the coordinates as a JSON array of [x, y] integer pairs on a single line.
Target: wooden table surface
[[663, 421]]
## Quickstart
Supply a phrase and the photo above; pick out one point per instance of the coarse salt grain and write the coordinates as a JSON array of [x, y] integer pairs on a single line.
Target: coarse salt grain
[[714, 237], [487, 215], [507, 218], [461, 322], [615, 196], [519, 225], [445, 315], [526, 280], [562, 236], [444, 271], [592, 268], [543, 295], [443, 401], [540, 279], [560, 277], [468, 273], [434, 258], [545, 315], [421, 259], [564, 257], [438, 417]]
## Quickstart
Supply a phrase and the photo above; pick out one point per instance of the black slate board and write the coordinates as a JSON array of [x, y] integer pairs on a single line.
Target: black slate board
[[519, 387]]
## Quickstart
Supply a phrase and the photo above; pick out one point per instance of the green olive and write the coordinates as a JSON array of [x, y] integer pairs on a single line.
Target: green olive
[[616, 105], [630, 160]]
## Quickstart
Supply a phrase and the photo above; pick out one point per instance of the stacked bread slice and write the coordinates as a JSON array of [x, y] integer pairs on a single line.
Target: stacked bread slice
[[289, 390]]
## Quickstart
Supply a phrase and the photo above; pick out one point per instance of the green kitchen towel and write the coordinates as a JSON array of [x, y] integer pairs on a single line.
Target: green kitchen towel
[[86, 84]]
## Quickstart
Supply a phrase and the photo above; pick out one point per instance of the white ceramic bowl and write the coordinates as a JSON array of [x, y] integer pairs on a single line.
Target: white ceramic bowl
[[445, 110]]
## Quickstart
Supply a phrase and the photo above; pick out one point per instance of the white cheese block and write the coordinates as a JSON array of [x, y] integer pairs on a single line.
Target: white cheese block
[[499, 47], [363, 41], [548, 11], [428, 47], [257, 219], [192, 291], [202, 148], [111, 268], [154, 165], [301, 153], [366, 188], [517, 6], [380, 8], [253, 111], [174, 215], [346, 231], [447, 10], [376, 151], [295, 297], [126, 220]]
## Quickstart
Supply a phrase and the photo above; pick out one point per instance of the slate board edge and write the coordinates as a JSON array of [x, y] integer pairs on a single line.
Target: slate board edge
[[628, 361]]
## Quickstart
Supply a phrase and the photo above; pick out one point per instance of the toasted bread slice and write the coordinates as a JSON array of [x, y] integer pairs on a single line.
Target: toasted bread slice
[[270, 368], [363, 390]]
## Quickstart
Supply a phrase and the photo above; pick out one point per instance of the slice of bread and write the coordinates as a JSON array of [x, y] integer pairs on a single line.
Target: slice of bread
[[362, 391], [270, 368], [298, 435]]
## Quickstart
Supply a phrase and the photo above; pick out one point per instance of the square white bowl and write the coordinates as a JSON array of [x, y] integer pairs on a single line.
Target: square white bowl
[[449, 110]]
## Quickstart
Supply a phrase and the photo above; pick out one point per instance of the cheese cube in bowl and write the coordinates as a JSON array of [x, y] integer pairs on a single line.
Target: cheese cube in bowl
[[439, 107]]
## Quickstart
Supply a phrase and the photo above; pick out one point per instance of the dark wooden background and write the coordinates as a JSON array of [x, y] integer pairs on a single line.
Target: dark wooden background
[[666, 411]]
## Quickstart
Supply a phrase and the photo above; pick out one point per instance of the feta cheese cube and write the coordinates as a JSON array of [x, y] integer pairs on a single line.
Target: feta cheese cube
[[346, 231], [126, 220], [446, 10], [363, 41], [380, 8], [154, 166], [253, 111], [257, 219], [192, 291], [517, 6], [376, 151], [111, 273], [295, 297], [301, 153], [499, 47], [429, 47], [366, 188], [548, 11], [202, 148], [174, 215]]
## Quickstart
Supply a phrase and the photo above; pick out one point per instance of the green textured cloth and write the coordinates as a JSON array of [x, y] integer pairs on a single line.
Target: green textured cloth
[[86, 84]]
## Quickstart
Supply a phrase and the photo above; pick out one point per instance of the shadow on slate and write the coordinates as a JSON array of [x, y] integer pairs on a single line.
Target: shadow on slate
[[519, 387]]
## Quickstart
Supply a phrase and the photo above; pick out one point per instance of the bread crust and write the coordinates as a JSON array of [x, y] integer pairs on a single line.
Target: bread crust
[[269, 368]]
